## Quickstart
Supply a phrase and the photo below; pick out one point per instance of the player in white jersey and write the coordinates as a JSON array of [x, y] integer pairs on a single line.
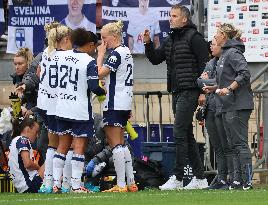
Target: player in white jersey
[[142, 19], [76, 19], [77, 77], [26, 174], [58, 40], [118, 74]]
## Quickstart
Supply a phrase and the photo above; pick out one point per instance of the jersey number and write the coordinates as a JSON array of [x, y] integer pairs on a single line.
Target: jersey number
[[129, 80], [68, 74]]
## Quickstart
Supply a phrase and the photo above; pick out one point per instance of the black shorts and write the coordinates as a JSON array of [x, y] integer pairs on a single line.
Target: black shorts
[[35, 185], [117, 118]]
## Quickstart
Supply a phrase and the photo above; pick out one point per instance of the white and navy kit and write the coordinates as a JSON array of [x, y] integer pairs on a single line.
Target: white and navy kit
[[119, 83], [119, 86], [137, 26], [23, 179], [76, 77], [47, 96], [44, 92]]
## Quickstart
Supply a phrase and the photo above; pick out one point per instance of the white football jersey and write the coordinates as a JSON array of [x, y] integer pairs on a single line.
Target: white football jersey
[[20, 176], [85, 23], [47, 96], [137, 26], [77, 74], [119, 83]]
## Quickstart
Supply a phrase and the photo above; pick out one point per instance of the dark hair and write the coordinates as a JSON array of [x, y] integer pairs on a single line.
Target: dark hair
[[20, 123], [184, 10], [80, 37], [209, 48]]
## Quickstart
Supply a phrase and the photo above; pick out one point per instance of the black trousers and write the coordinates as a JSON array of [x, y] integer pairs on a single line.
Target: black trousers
[[184, 106], [236, 125], [218, 139]]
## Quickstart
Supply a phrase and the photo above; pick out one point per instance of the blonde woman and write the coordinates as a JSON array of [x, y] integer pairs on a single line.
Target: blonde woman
[[235, 100], [117, 71], [22, 61], [58, 40]]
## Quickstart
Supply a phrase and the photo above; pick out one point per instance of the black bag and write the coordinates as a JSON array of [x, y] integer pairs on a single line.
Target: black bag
[[148, 174]]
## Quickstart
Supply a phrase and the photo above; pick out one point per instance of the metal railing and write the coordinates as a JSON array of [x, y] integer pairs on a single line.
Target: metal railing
[[260, 92]]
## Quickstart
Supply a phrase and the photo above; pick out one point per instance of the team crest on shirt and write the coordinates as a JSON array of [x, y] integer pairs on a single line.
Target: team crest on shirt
[[112, 59], [24, 141]]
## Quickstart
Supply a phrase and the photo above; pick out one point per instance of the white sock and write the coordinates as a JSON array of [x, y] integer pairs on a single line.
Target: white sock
[[58, 164], [48, 174], [67, 170], [119, 165], [78, 162], [129, 167]]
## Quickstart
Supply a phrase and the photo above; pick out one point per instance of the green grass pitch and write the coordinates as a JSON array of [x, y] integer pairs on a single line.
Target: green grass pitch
[[154, 197]]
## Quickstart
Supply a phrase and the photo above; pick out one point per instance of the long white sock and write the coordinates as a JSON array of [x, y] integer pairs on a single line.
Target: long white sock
[[129, 166], [78, 162], [119, 165], [48, 174], [58, 164], [67, 170]]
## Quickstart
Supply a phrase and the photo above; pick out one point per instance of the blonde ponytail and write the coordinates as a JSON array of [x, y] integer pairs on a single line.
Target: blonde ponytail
[[230, 31], [49, 26], [55, 35]]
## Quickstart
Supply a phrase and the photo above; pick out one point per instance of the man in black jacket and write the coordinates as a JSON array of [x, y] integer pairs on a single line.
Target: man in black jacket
[[185, 52]]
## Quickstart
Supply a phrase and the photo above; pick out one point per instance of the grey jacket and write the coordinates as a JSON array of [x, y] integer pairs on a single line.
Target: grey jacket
[[232, 66], [211, 70]]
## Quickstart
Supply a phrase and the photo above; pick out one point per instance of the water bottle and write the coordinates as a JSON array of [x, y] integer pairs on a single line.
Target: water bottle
[[152, 135], [98, 168], [131, 131], [101, 98]]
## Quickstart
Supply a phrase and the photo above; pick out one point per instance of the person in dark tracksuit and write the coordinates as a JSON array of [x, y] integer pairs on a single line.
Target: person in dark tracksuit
[[214, 124], [235, 100], [185, 52]]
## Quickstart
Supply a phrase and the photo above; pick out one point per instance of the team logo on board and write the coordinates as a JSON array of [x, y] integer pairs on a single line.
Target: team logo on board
[[20, 37]]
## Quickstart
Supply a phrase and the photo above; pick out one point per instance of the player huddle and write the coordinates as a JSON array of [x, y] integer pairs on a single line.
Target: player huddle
[[68, 77]]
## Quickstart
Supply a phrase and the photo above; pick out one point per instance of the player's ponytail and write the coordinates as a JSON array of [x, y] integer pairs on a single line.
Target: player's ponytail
[[49, 26], [230, 31], [51, 39], [55, 35]]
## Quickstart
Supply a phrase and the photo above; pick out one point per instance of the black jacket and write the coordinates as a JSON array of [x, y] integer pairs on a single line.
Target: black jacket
[[185, 52]]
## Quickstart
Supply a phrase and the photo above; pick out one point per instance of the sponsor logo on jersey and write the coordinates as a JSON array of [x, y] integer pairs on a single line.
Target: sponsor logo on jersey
[[112, 59]]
